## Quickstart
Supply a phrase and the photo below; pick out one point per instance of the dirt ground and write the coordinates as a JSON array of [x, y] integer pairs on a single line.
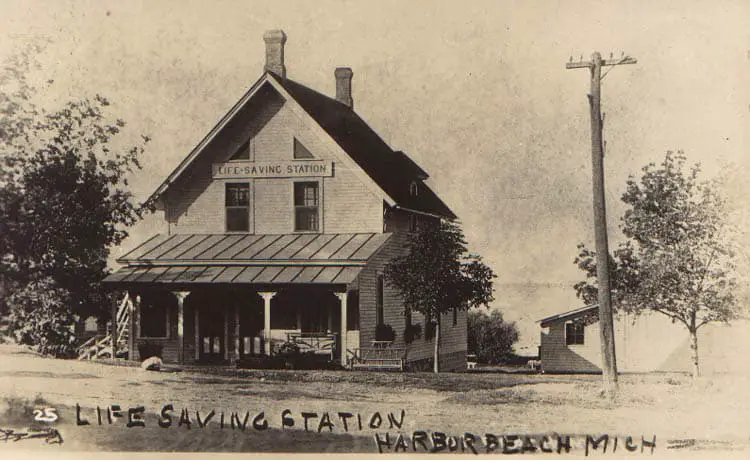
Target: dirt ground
[[711, 414]]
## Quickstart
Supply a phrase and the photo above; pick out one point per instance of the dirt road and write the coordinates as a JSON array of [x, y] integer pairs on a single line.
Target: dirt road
[[709, 414]]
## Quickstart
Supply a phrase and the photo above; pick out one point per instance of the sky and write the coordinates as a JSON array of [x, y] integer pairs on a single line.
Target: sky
[[475, 92]]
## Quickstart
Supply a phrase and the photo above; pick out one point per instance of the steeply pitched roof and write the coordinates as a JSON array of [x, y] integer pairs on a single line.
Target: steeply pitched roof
[[392, 170]]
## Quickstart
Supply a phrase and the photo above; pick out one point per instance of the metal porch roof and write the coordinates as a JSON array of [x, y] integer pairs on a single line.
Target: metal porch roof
[[249, 259]]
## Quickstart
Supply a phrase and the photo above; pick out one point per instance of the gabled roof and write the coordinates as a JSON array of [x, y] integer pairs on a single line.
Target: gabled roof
[[569, 315], [392, 171]]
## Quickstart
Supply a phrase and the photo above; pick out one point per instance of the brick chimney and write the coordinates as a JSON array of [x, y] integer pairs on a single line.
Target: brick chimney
[[275, 40], [344, 85]]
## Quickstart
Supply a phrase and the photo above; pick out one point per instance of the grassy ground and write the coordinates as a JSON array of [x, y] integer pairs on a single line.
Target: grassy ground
[[712, 413]]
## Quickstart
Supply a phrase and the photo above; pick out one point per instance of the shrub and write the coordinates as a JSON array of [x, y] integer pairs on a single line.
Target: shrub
[[490, 337], [384, 332], [412, 332], [40, 316]]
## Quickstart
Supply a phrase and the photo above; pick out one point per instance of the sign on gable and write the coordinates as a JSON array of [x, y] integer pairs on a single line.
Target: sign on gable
[[276, 169]]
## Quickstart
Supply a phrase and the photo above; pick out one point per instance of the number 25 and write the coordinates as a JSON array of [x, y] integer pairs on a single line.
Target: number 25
[[48, 414]]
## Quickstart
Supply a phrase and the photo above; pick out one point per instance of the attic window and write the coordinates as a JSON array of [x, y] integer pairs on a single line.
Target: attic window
[[301, 152], [413, 188], [243, 152]]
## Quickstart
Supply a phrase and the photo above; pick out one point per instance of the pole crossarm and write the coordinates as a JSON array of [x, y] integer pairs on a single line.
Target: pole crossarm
[[604, 63]]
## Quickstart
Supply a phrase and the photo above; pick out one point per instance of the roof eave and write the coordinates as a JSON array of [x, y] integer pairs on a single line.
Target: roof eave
[[177, 172], [561, 316]]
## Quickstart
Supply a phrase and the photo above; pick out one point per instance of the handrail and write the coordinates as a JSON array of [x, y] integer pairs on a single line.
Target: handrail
[[88, 343]]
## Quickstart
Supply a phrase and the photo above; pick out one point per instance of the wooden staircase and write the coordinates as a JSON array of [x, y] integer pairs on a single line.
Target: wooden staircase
[[100, 346]]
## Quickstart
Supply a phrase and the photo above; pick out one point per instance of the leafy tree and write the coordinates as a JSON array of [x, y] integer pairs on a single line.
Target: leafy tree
[[41, 317], [490, 337], [63, 196], [678, 259], [438, 274]]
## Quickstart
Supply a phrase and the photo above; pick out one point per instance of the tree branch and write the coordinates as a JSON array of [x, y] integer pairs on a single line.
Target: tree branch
[[671, 315]]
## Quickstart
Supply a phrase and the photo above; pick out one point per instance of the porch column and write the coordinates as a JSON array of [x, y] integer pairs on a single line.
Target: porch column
[[342, 335], [267, 296], [134, 309], [237, 337], [180, 295], [198, 345], [226, 333]]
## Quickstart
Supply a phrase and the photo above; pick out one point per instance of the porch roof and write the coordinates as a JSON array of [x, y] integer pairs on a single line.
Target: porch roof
[[249, 259]]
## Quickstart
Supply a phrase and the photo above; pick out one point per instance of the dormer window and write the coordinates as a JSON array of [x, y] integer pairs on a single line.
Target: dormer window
[[413, 188]]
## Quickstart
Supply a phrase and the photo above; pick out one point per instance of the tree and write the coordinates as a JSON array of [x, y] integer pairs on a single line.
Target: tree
[[491, 339], [438, 274], [678, 257], [63, 197]]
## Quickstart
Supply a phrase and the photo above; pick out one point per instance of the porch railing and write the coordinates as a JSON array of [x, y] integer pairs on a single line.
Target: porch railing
[[318, 343]]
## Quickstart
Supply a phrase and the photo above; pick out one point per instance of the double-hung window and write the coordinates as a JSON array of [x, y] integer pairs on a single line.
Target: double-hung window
[[306, 207], [237, 202], [574, 333]]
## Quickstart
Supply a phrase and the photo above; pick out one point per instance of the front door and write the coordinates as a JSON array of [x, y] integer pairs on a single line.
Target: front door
[[211, 336]]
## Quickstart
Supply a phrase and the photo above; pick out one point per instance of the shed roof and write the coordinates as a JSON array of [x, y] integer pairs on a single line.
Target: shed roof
[[568, 315]]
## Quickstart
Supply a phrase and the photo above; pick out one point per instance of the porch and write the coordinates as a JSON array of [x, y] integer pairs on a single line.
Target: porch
[[220, 298], [222, 326]]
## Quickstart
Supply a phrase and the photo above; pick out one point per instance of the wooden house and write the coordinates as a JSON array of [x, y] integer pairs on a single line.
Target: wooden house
[[280, 223], [649, 342]]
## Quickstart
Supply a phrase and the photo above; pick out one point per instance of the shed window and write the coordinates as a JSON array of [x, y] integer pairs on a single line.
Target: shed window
[[306, 217], [237, 202], [574, 333]]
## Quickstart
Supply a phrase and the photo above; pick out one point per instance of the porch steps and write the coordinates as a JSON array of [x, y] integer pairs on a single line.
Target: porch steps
[[100, 346]]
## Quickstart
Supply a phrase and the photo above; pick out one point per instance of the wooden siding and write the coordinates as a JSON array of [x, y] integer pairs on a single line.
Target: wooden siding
[[453, 338], [195, 204], [650, 342], [556, 356]]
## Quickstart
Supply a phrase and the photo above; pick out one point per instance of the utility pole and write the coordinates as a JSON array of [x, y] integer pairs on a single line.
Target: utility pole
[[606, 326]]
